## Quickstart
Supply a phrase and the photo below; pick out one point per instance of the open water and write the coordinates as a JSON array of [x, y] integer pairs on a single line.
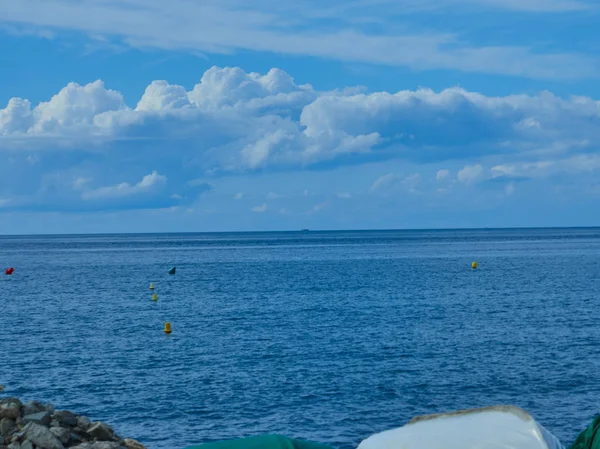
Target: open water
[[329, 336]]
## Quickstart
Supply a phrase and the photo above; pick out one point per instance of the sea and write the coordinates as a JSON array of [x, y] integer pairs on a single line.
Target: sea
[[326, 336]]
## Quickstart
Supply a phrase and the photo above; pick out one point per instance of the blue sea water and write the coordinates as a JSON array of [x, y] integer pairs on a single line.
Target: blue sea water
[[329, 336]]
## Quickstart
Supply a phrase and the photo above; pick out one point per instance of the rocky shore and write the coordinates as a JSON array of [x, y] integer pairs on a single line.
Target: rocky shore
[[35, 425]]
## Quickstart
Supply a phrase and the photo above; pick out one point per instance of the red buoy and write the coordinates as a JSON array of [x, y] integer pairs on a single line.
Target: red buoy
[[9, 271]]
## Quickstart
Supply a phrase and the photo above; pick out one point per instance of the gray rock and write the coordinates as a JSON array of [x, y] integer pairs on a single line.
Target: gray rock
[[132, 444], [101, 431], [65, 418], [31, 407], [10, 410], [42, 437], [26, 445], [106, 445], [76, 438], [7, 426], [98, 445], [14, 446], [83, 423], [63, 434], [11, 400], [42, 418]]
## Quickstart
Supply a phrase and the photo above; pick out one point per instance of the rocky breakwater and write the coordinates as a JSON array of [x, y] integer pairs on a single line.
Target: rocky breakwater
[[34, 425]]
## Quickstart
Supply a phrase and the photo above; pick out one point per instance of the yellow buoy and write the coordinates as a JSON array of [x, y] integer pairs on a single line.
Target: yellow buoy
[[154, 297], [474, 265], [167, 329], [151, 285]]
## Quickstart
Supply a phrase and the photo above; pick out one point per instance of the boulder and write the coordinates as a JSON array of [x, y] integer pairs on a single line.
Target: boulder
[[31, 407], [26, 445], [42, 418], [98, 445], [106, 445], [62, 433], [76, 438], [65, 418], [7, 426], [132, 444], [41, 436], [101, 431], [83, 423], [11, 400], [10, 410]]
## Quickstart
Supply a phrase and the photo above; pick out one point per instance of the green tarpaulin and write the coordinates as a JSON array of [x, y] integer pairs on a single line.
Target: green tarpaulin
[[589, 438], [262, 442]]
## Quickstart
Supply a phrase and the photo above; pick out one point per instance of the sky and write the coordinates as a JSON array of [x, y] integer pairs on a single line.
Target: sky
[[256, 115]]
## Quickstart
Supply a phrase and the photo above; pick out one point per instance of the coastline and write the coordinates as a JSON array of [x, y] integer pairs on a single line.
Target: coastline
[[37, 425]]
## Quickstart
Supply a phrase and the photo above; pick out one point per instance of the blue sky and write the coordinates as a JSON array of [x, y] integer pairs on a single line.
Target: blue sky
[[149, 116]]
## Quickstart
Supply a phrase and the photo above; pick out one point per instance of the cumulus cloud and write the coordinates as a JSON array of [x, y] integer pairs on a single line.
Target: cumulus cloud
[[233, 123], [236, 121]]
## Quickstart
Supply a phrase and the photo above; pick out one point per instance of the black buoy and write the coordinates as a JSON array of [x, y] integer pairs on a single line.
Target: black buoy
[[172, 270]]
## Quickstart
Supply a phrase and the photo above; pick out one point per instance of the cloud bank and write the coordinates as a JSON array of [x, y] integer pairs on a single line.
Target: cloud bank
[[86, 144], [250, 121]]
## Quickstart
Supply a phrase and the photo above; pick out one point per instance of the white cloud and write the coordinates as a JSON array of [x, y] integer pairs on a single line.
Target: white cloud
[[234, 121], [162, 96], [260, 209], [344, 195], [442, 174], [384, 181], [543, 168], [238, 196], [274, 196], [4, 202], [470, 174], [232, 25], [148, 183], [536, 5]]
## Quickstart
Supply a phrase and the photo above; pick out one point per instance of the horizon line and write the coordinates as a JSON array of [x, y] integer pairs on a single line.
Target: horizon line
[[306, 231]]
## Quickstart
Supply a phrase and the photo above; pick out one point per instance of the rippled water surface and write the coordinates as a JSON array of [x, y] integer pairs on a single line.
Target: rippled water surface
[[326, 336]]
